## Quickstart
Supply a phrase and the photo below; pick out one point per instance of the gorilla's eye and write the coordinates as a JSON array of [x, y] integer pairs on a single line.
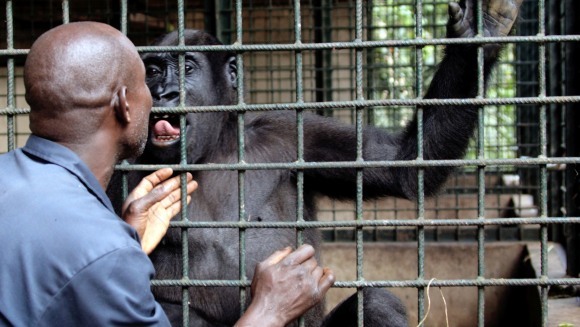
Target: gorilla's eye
[[152, 71], [191, 64]]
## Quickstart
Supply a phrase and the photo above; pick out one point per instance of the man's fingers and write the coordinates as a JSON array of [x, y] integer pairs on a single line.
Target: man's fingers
[[159, 217], [317, 274], [152, 180], [167, 192], [296, 257], [175, 208], [326, 281], [278, 256], [300, 255], [147, 184], [310, 264], [175, 195], [174, 183]]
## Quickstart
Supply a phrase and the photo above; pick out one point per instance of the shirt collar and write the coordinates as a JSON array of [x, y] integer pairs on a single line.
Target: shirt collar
[[60, 155]]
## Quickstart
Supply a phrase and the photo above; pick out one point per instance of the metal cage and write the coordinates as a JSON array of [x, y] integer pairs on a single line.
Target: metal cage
[[369, 62]]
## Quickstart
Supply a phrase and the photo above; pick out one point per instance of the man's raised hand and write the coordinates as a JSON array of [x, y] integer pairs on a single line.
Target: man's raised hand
[[152, 204]]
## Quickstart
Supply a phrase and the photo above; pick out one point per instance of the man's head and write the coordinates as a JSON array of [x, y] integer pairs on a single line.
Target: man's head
[[85, 80]]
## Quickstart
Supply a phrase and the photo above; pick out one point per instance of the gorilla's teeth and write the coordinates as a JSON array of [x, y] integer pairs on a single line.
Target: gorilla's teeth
[[167, 137]]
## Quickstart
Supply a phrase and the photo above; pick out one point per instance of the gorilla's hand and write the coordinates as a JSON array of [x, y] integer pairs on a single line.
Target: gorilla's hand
[[152, 204], [498, 17], [285, 286]]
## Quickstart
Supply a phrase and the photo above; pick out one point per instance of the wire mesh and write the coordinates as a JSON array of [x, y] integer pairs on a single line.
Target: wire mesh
[[363, 62]]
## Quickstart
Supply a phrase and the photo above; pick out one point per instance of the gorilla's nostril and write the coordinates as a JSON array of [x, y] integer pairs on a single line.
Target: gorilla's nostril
[[169, 96]]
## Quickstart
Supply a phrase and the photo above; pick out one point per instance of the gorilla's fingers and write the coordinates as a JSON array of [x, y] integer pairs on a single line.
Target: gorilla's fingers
[[455, 12], [503, 14]]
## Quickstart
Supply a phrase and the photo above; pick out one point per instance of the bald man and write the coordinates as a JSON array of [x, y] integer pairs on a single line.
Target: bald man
[[66, 258]]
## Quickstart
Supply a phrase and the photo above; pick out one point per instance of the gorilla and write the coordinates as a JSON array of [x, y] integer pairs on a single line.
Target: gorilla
[[270, 137]]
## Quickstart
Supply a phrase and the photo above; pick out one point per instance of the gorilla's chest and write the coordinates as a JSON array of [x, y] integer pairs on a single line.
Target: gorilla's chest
[[268, 195]]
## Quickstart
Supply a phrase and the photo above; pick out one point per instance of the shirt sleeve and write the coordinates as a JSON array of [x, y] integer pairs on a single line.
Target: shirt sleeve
[[114, 290]]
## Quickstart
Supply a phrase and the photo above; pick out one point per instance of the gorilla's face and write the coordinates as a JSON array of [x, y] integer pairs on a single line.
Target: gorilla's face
[[209, 78], [202, 87]]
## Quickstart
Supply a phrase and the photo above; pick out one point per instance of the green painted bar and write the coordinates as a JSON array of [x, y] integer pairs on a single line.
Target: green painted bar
[[480, 170], [390, 283], [299, 129], [359, 93], [350, 104], [124, 14], [241, 155], [10, 68], [420, 171], [65, 12]]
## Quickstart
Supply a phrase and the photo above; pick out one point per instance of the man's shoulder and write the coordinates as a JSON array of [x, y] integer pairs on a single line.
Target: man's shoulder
[[63, 217]]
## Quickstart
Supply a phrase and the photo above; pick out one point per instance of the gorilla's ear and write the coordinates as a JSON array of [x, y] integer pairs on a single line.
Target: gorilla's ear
[[232, 72]]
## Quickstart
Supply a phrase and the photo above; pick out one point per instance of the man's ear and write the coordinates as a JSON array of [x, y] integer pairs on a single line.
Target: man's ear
[[232, 72], [121, 106]]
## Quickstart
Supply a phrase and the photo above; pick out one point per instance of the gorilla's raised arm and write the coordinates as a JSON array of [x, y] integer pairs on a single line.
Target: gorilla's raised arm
[[446, 129]]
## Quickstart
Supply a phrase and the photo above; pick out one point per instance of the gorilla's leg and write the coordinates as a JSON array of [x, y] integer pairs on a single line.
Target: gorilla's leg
[[381, 308]]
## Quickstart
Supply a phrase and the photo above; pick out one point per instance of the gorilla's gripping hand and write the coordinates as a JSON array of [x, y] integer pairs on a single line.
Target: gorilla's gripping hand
[[498, 17], [152, 204], [285, 286]]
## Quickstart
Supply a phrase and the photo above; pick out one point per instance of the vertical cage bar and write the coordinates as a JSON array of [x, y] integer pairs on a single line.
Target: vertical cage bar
[[327, 55], [351, 62], [11, 119], [299, 119], [420, 171], [124, 173], [543, 168], [65, 12], [241, 155], [183, 161], [124, 16], [299, 129], [322, 58], [480, 148], [371, 83], [271, 73], [359, 158], [124, 180]]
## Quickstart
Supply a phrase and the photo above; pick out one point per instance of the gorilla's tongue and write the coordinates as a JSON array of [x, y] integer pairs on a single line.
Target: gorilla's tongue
[[164, 129]]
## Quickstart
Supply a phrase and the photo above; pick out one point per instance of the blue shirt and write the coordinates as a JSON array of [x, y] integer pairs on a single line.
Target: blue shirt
[[66, 259]]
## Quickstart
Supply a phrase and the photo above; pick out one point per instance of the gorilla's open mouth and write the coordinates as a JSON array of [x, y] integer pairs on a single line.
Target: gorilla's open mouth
[[164, 129]]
